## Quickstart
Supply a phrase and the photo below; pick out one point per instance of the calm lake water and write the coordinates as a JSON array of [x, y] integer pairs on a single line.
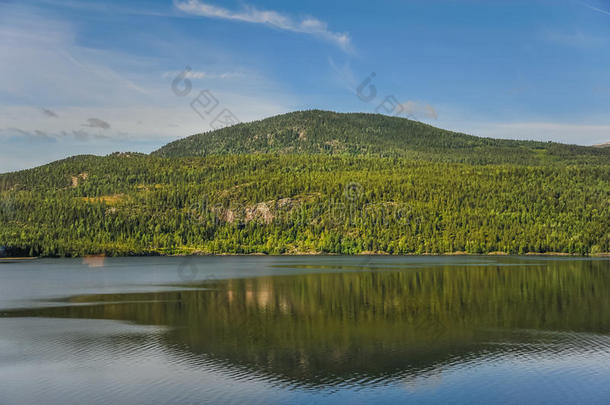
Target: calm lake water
[[300, 330]]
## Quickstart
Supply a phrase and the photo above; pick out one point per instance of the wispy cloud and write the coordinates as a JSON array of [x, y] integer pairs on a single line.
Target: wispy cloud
[[78, 83], [599, 10], [576, 39], [49, 113], [309, 25], [81, 135], [84, 136], [204, 75], [97, 123], [35, 135]]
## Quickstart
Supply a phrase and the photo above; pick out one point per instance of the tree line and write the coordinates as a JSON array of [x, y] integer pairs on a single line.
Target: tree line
[[134, 204]]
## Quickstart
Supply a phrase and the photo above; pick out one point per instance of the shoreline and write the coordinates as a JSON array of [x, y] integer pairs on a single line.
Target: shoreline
[[8, 259]]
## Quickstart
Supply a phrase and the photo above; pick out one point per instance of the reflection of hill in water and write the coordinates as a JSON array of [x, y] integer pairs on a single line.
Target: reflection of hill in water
[[326, 329]]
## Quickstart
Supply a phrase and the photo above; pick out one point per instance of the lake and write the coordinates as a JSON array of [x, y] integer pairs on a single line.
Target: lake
[[301, 330]]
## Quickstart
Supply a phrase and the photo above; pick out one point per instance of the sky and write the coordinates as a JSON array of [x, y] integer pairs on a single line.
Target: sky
[[95, 77]]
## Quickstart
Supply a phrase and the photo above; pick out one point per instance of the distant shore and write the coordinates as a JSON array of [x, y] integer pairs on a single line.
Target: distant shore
[[296, 254]]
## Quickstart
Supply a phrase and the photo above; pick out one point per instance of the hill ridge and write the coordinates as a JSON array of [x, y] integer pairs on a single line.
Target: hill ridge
[[333, 133]]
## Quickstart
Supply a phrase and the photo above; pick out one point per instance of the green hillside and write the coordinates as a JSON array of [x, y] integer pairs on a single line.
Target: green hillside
[[373, 134], [315, 182]]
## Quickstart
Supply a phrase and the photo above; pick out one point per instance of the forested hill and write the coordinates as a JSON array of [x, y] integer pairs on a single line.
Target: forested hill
[[126, 204], [315, 182], [325, 132]]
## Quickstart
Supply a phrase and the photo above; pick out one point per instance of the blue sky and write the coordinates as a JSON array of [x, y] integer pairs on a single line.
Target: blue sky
[[96, 77]]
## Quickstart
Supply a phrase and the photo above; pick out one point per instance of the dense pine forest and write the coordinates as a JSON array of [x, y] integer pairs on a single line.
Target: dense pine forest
[[315, 182], [375, 135]]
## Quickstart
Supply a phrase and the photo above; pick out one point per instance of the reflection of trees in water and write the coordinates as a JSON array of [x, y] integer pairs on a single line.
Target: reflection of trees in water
[[324, 329]]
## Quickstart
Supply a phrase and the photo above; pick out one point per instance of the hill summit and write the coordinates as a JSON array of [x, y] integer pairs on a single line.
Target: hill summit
[[326, 132]]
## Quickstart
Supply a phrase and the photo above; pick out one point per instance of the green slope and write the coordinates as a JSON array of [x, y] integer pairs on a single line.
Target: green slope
[[333, 133], [315, 182], [309, 203]]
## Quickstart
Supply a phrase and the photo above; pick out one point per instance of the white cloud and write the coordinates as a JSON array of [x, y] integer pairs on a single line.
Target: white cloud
[[53, 86], [599, 10], [47, 67], [250, 14], [193, 74], [36, 139]]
